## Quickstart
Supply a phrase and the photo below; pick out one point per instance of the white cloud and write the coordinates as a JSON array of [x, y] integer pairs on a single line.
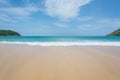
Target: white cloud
[[64, 9], [3, 1], [6, 18], [19, 11], [115, 22], [60, 24], [35, 3], [85, 26], [100, 23], [13, 14], [85, 18]]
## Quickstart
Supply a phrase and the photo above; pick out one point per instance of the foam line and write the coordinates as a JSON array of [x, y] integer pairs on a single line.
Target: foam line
[[66, 43]]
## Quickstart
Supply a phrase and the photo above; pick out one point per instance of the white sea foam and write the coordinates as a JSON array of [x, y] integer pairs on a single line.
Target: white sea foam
[[66, 43]]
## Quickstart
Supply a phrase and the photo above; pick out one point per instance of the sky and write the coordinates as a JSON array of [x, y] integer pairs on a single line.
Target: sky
[[60, 17]]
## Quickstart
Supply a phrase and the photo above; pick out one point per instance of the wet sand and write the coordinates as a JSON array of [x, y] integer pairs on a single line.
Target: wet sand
[[22, 62]]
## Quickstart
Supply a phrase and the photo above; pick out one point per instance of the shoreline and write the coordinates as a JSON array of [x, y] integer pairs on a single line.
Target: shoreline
[[64, 43]]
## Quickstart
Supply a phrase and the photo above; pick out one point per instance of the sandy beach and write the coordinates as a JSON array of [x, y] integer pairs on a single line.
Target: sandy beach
[[23, 62]]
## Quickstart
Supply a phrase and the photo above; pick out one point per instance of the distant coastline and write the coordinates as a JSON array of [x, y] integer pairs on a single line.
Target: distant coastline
[[115, 33], [9, 33], [14, 33]]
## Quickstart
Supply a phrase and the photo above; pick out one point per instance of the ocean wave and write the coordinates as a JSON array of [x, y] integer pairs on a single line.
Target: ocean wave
[[65, 43]]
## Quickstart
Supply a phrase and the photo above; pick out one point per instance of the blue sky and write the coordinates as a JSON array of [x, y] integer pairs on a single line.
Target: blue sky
[[60, 17]]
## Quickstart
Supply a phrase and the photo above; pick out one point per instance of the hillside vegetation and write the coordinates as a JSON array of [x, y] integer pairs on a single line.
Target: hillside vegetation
[[115, 33], [8, 33]]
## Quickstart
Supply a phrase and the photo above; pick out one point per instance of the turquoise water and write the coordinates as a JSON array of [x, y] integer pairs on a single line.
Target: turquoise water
[[59, 39], [62, 41]]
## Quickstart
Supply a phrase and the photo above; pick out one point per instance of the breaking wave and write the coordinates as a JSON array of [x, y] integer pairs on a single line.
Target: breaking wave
[[65, 43]]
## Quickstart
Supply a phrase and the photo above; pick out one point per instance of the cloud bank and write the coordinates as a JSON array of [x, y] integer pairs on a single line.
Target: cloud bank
[[11, 13], [3, 2], [64, 9]]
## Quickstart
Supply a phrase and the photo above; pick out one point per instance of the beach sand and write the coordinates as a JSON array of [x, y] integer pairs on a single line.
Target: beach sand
[[23, 62]]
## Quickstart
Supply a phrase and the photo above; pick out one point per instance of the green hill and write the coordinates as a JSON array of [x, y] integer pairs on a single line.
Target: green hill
[[8, 33], [115, 33]]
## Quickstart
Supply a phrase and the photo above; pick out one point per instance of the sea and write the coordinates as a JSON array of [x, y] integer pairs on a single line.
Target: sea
[[62, 40]]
